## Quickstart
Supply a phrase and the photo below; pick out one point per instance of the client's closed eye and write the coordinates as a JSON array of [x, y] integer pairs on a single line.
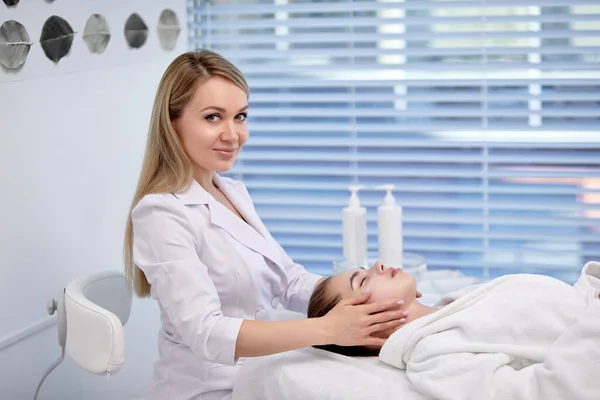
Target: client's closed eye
[[356, 274]]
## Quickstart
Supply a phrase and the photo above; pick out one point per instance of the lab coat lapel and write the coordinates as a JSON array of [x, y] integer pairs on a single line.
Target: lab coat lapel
[[252, 234]]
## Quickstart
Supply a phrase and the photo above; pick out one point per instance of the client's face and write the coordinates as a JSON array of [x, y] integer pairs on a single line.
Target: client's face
[[383, 283]]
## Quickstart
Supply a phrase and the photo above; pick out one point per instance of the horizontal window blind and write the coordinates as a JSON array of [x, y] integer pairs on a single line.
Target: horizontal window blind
[[484, 114]]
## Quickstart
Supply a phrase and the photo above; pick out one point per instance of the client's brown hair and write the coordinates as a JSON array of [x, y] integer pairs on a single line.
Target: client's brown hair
[[320, 303]]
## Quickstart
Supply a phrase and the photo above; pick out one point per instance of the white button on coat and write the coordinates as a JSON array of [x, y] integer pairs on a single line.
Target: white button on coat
[[209, 270], [275, 302], [261, 315]]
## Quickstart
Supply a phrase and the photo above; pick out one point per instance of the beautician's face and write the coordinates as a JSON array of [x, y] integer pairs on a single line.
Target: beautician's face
[[212, 126], [384, 283]]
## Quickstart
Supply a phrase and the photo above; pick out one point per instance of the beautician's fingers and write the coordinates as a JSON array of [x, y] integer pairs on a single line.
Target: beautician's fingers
[[387, 316], [378, 307], [384, 326]]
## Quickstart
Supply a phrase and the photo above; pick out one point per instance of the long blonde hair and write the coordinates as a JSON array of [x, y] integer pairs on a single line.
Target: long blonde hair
[[166, 167]]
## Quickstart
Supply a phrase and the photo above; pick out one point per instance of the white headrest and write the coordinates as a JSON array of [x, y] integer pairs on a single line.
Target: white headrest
[[97, 306]]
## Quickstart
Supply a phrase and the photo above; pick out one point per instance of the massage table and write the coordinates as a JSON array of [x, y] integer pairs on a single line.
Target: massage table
[[310, 373]]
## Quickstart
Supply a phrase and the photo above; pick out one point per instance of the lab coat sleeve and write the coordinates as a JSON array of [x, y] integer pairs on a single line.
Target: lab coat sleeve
[[164, 248], [301, 284], [569, 371]]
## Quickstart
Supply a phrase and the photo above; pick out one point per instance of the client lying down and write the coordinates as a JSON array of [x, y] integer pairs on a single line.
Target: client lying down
[[517, 337]]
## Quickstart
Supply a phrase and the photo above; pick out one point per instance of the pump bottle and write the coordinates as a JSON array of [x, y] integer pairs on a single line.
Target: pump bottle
[[354, 226], [389, 224]]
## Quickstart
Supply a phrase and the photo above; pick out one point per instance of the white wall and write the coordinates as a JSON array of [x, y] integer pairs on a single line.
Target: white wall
[[72, 137]]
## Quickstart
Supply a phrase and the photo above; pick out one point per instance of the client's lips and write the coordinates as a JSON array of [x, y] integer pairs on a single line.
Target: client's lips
[[395, 271]]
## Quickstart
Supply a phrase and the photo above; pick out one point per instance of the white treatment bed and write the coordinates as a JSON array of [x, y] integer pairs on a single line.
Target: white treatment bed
[[317, 374]]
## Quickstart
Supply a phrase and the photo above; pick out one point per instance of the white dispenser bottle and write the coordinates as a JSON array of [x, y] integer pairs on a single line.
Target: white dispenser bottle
[[354, 225], [389, 224]]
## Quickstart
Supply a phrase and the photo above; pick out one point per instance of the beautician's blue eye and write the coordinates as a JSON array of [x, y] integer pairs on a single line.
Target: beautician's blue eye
[[243, 115], [210, 117]]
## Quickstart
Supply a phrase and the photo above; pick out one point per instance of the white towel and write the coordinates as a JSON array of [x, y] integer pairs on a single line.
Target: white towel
[[518, 337]]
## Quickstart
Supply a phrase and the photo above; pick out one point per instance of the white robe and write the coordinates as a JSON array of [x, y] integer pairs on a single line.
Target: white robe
[[518, 337]]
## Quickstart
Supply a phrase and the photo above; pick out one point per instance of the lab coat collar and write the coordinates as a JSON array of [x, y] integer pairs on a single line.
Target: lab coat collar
[[194, 194], [252, 234]]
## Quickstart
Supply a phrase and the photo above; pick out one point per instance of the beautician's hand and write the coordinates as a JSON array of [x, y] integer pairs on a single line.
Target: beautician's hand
[[351, 322]]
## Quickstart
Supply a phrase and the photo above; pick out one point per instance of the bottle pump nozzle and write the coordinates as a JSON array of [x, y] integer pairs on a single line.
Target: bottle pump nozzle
[[389, 199], [354, 201]]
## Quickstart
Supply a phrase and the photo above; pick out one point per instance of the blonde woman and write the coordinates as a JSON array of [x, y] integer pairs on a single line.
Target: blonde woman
[[196, 245]]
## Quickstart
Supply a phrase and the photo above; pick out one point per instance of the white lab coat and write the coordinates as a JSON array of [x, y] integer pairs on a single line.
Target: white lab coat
[[209, 270]]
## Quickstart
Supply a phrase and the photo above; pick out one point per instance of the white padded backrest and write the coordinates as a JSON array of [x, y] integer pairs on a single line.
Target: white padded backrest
[[97, 306]]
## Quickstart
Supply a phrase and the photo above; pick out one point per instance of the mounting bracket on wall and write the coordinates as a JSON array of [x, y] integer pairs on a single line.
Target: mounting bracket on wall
[[56, 306]]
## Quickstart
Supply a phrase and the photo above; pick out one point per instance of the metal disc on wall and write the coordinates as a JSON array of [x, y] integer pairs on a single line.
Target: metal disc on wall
[[168, 29], [136, 31], [14, 44], [57, 38], [96, 33]]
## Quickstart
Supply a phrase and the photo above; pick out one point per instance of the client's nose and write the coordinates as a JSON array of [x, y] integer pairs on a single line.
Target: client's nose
[[378, 267]]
